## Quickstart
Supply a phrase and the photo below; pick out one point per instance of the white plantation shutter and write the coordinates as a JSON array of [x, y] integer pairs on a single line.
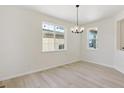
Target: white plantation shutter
[[53, 38]]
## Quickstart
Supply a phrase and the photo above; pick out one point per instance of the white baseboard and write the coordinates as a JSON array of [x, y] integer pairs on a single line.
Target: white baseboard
[[97, 63], [54, 66], [118, 69], [36, 70], [114, 67]]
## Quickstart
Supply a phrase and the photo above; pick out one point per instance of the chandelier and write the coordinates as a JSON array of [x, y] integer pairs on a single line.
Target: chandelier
[[77, 28]]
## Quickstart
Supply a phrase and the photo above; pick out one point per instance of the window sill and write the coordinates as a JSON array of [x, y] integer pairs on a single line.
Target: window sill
[[92, 49], [55, 51]]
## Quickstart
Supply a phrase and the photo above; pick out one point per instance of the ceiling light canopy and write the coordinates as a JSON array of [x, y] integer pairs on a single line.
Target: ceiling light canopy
[[77, 28]]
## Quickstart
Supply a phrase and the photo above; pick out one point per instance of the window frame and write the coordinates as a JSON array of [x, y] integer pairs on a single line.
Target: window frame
[[89, 30], [65, 39]]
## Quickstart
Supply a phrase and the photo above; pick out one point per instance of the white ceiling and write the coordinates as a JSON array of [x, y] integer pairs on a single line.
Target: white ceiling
[[87, 13]]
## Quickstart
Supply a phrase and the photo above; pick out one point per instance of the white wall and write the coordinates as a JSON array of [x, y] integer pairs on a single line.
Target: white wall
[[104, 54], [119, 55], [108, 52], [20, 43]]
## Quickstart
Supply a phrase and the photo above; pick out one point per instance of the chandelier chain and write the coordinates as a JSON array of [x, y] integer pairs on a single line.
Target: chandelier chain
[[77, 16]]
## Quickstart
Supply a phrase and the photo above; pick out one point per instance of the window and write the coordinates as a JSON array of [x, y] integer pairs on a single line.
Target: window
[[53, 38], [92, 38]]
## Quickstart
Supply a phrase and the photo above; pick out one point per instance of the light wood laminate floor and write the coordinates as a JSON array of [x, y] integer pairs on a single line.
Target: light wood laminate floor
[[75, 75]]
